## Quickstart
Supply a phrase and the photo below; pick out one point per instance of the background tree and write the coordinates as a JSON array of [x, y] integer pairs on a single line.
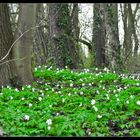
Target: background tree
[[6, 39], [99, 34], [23, 48], [61, 48]]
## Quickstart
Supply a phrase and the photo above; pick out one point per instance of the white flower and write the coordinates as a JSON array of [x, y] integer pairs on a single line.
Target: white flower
[[41, 90], [39, 66], [49, 127], [59, 92], [131, 96], [39, 98], [26, 117], [93, 101], [81, 93], [11, 98], [50, 106], [89, 84], [46, 89], [53, 89], [83, 84], [95, 108], [1, 93], [22, 88], [22, 98], [108, 98], [116, 95], [127, 102], [97, 92], [30, 105], [35, 69], [49, 122], [71, 84], [96, 68], [99, 116], [16, 90], [29, 86], [137, 84], [42, 94], [118, 99], [69, 94], [138, 102], [80, 104], [63, 100], [33, 89]]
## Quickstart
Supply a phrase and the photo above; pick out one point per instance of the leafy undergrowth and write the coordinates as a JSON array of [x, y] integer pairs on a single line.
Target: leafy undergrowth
[[67, 103]]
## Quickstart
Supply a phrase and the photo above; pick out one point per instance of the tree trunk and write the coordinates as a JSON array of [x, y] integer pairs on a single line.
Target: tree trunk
[[99, 34], [23, 48], [6, 38], [111, 21], [62, 51]]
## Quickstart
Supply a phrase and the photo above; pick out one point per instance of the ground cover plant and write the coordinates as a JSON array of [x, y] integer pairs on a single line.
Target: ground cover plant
[[71, 103]]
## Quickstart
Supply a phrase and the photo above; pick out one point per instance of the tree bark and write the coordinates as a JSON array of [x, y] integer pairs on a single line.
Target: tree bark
[[99, 34], [6, 39], [23, 48]]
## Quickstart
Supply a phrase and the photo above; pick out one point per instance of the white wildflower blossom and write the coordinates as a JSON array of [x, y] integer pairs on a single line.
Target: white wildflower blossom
[[49, 122], [131, 96], [35, 69], [69, 94], [42, 94], [96, 68], [1, 93], [22, 88], [80, 104], [57, 114], [22, 98], [127, 102], [137, 84], [95, 108], [118, 99], [50, 106], [11, 98], [33, 89], [29, 86], [53, 89], [97, 92], [116, 95], [63, 100], [30, 105], [26, 117], [138, 102], [49, 127], [39, 98], [39, 66], [93, 102], [83, 84], [16, 90], [81, 93], [89, 84], [71, 84], [99, 116]]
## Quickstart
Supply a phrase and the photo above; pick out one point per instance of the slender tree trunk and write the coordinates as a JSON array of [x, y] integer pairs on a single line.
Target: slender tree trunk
[[6, 38], [23, 48], [39, 47], [99, 34], [111, 17]]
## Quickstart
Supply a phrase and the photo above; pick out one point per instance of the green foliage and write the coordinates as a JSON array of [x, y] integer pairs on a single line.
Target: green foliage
[[67, 103]]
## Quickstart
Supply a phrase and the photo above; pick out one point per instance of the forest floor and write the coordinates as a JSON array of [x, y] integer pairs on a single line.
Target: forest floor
[[67, 103]]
